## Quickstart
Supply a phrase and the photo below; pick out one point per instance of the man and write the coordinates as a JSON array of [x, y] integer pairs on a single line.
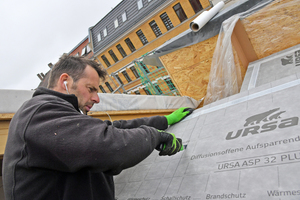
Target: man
[[55, 151]]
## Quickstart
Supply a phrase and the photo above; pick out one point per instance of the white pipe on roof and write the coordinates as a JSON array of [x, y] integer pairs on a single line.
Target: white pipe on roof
[[205, 16]]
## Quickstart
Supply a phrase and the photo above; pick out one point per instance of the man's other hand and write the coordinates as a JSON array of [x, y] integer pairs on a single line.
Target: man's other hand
[[169, 145], [178, 115]]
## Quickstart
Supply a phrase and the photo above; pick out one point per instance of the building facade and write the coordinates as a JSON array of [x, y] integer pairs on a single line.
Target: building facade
[[135, 28], [81, 49]]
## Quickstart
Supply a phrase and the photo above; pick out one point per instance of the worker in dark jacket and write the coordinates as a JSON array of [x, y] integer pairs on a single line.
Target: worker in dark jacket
[[55, 151]]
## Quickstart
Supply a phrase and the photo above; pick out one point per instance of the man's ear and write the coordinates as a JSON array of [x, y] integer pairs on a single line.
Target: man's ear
[[63, 83]]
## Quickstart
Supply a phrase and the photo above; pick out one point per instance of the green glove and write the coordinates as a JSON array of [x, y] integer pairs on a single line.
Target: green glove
[[169, 145], [178, 115]]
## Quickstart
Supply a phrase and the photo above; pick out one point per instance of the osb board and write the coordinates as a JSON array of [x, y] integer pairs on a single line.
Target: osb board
[[238, 63], [270, 30], [274, 28], [189, 67], [192, 81], [188, 56]]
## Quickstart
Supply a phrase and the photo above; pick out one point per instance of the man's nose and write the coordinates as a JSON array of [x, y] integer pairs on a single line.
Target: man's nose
[[95, 98]]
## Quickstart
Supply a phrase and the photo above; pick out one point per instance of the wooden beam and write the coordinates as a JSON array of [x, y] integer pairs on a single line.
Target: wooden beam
[[128, 114], [6, 116]]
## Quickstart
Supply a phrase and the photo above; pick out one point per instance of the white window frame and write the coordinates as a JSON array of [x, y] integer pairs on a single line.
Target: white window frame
[[105, 32], [116, 23], [99, 37], [140, 4], [88, 49], [124, 17], [83, 51]]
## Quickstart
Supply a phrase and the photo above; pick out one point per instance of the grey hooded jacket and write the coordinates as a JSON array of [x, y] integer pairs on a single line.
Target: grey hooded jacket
[[55, 152]]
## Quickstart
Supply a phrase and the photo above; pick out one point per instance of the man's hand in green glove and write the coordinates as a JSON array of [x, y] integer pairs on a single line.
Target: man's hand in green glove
[[178, 115], [169, 144]]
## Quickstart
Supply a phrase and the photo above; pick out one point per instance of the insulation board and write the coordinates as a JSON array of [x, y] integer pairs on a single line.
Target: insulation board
[[276, 66], [242, 147]]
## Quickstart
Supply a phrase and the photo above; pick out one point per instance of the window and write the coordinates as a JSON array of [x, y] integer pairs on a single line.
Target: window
[[105, 60], [126, 76], [85, 50], [99, 37], [121, 50], [102, 89], [136, 74], [130, 45], [121, 82], [137, 92], [155, 28], [142, 37], [145, 67], [124, 17], [170, 84], [109, 87], [166, 20], [157, 88], [116, 23], [105, 32], [180, 12], [140, 4], [88, 49], [196, 5], [147, 91], [113, 55]]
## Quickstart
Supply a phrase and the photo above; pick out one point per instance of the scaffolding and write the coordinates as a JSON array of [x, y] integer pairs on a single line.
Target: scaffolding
[[153, 80]]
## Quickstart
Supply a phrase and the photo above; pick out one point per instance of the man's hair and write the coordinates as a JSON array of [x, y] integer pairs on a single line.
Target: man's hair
[[74, 66]]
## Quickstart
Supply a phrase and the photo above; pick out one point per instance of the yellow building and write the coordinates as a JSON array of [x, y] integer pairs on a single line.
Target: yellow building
[[133, 29]]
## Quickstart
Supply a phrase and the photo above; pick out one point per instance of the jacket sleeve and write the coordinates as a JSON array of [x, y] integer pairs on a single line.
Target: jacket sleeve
[[60, 138], [158, 122]]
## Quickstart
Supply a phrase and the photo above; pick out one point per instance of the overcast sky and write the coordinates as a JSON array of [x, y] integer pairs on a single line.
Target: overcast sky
[[37, 32]]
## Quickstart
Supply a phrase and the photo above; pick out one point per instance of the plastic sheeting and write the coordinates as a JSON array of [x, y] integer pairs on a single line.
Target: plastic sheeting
[[117, 102], [225, 77], [12, 100]]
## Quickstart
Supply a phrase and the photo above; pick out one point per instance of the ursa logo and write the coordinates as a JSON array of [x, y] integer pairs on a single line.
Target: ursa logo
[[289, 59], [263, 122]]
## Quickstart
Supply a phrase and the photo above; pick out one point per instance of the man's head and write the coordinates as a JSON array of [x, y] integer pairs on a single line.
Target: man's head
[[78, 76]]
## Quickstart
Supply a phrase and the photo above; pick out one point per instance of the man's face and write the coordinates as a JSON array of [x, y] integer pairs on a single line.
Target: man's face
[[86, 89]]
